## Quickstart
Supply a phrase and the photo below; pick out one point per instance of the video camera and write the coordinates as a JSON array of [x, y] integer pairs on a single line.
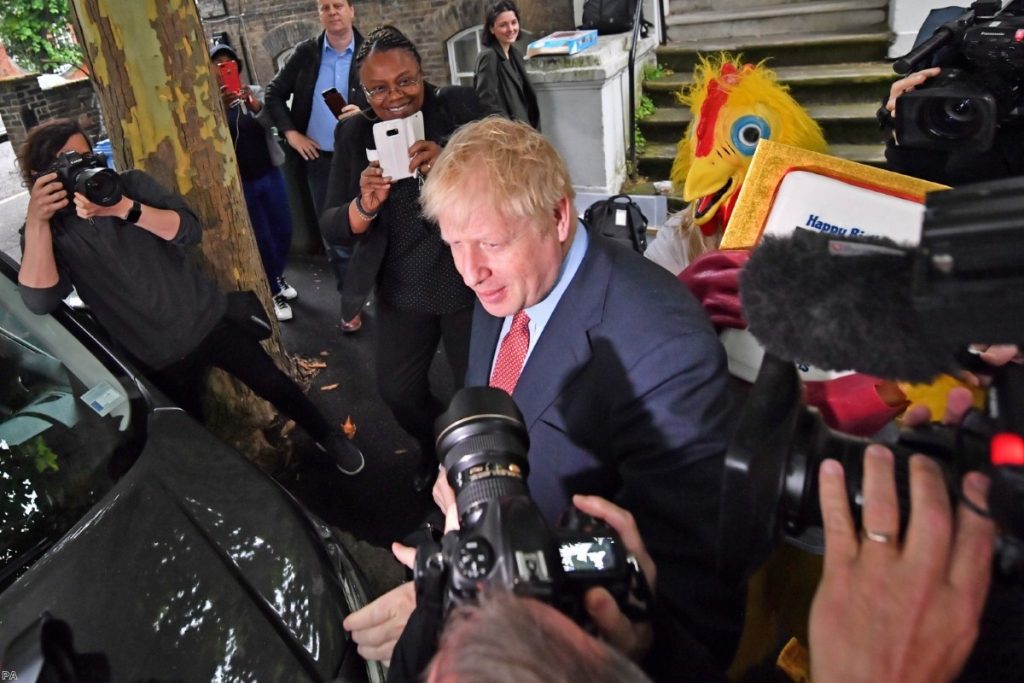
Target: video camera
[[979, 90], [503, 539], [88, 174], [964, 283]]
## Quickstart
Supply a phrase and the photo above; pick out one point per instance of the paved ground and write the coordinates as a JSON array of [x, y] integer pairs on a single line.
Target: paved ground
[[13, 201]]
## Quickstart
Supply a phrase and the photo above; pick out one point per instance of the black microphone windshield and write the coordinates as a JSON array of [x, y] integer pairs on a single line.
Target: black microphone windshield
[[839, 305]]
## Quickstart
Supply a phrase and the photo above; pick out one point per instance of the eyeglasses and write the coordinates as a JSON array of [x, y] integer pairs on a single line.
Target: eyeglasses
[[404, 84]]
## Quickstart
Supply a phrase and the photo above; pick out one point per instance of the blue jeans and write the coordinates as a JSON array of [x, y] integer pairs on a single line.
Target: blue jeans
[[267, 199]]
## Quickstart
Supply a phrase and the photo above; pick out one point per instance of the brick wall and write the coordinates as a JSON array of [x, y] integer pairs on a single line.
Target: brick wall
[[263, 29], [23, 104]]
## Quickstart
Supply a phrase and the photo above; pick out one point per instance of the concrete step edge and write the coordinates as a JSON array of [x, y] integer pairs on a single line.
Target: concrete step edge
[[822, 113], [856, 72], [738, 43], [773, 11]]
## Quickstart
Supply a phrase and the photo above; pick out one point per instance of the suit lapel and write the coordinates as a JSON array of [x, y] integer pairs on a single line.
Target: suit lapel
[[564, 348], [483, 339]]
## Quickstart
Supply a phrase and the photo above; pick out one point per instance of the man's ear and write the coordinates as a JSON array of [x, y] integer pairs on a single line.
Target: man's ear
[[565, 219]]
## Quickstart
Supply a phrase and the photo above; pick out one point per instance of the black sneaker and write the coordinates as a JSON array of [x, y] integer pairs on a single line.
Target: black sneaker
[[346, 456]]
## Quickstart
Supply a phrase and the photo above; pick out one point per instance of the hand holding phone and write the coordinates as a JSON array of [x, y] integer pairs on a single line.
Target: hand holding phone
[[335, 102], [229, 76]]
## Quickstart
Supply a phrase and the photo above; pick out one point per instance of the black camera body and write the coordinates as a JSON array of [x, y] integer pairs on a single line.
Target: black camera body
[[979, 90], [88, 174], [504, 540]]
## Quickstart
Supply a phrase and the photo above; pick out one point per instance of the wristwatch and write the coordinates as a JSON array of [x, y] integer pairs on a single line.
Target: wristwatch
[[134, 213]]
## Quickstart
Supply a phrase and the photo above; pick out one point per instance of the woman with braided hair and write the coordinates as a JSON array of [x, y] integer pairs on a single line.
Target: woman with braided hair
[[420, 297]]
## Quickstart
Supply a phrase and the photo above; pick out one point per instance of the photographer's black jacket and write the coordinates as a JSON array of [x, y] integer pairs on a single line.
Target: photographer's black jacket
[[145, 291]]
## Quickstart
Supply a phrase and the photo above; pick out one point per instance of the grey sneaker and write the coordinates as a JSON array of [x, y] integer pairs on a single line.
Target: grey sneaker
[[281, 308], [285, 289]]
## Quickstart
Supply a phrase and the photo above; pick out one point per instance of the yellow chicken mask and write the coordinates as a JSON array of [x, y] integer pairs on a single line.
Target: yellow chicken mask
[[733, 106]]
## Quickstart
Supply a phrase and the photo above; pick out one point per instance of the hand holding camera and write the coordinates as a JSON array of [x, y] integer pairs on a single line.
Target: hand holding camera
[[46, 198]]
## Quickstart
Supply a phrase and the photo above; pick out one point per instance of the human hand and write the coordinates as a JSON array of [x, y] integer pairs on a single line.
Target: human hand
[[714, 278], [892, 611], [377, 626], [632, 639], [46, 198], [348, 110], [230, 98], [374, 187], [307, 147], [443, 493], [251, 102], [89, 210], [422, 156], [907, 84]]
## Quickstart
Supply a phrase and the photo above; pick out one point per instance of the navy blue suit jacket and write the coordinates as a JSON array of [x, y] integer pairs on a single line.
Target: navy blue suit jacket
[[625, 396]]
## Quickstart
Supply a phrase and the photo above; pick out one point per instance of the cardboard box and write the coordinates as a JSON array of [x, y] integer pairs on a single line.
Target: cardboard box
[[562, 43]]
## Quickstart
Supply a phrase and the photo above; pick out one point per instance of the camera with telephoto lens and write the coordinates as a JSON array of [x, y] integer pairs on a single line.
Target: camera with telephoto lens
[[88, 174], [980, 90], [504, 540]]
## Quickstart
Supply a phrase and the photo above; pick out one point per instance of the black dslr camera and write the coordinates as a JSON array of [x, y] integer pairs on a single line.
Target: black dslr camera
[[979, 90], [504, 539], [88, 174]]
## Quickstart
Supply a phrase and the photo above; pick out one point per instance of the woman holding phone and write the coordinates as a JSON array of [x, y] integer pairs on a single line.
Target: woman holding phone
[[500, 77], [420, 297]]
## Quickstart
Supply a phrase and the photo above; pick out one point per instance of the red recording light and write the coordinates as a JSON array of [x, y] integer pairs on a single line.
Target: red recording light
[[1007, 449], [1018, 35]]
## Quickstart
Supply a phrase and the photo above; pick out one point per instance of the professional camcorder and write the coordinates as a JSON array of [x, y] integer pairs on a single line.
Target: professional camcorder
[[88, 174], [979, 87], [963, 283], [504, 540]]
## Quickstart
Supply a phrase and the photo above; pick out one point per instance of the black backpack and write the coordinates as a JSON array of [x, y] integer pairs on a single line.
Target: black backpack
[[620, 219], [609, 16]]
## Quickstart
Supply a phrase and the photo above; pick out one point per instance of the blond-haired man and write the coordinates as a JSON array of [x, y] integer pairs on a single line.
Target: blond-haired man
[[620, 377]]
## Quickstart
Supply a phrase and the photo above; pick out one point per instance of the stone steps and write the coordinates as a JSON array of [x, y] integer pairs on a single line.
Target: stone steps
[[655, 161], [809, 85], [852, 123], [786, 50], [792, 18]]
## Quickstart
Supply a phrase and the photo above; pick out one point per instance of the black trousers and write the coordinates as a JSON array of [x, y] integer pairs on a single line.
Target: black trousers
[[406, 345], [317, 173], [231, 349]]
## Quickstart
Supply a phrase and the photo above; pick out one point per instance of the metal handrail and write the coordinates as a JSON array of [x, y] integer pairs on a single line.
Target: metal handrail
[[637, 14]]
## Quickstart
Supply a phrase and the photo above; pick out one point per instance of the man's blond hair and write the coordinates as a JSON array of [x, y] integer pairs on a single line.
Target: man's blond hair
[[499, 164]]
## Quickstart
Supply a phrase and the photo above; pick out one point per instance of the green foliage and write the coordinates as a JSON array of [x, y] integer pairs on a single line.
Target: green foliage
[[653, 72], [43, 455], [639, 140], [38, 34], [644, 108]]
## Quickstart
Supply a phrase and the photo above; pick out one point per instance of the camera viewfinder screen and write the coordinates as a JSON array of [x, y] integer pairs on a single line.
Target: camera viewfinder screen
[[596, 554]]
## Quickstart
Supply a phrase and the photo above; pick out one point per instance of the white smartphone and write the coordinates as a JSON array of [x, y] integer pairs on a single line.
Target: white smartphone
[[393, 140]]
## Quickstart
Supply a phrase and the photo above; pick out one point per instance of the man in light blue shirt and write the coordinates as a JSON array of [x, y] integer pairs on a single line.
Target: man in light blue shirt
[[295, 99]]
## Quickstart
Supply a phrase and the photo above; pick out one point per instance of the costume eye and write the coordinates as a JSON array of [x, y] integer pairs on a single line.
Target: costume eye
[[747, 131]]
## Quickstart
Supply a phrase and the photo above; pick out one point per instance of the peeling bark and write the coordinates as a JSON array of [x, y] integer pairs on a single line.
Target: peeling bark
[[151, 70]]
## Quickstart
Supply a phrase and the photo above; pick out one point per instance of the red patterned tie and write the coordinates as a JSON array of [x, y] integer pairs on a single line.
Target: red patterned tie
[[512, 353]]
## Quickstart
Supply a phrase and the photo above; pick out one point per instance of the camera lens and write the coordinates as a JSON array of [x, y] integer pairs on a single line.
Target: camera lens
[[483, 443], [953, 118], [100, 186]]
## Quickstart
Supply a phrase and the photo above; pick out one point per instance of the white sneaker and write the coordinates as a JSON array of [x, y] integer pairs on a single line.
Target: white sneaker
[[285, 289], [281, 308]]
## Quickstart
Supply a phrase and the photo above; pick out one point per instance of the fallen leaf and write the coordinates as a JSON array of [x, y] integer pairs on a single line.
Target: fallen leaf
[[349, 427], [329, 387], [324, 354], [401, 451]]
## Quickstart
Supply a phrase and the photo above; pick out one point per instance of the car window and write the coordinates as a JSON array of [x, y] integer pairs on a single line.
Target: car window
[[63, 416]]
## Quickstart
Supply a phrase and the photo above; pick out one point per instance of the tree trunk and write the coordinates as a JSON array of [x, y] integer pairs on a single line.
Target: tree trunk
[[151, 69]]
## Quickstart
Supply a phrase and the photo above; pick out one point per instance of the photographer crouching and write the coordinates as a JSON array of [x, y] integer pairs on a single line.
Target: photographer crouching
[[120, 241]]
